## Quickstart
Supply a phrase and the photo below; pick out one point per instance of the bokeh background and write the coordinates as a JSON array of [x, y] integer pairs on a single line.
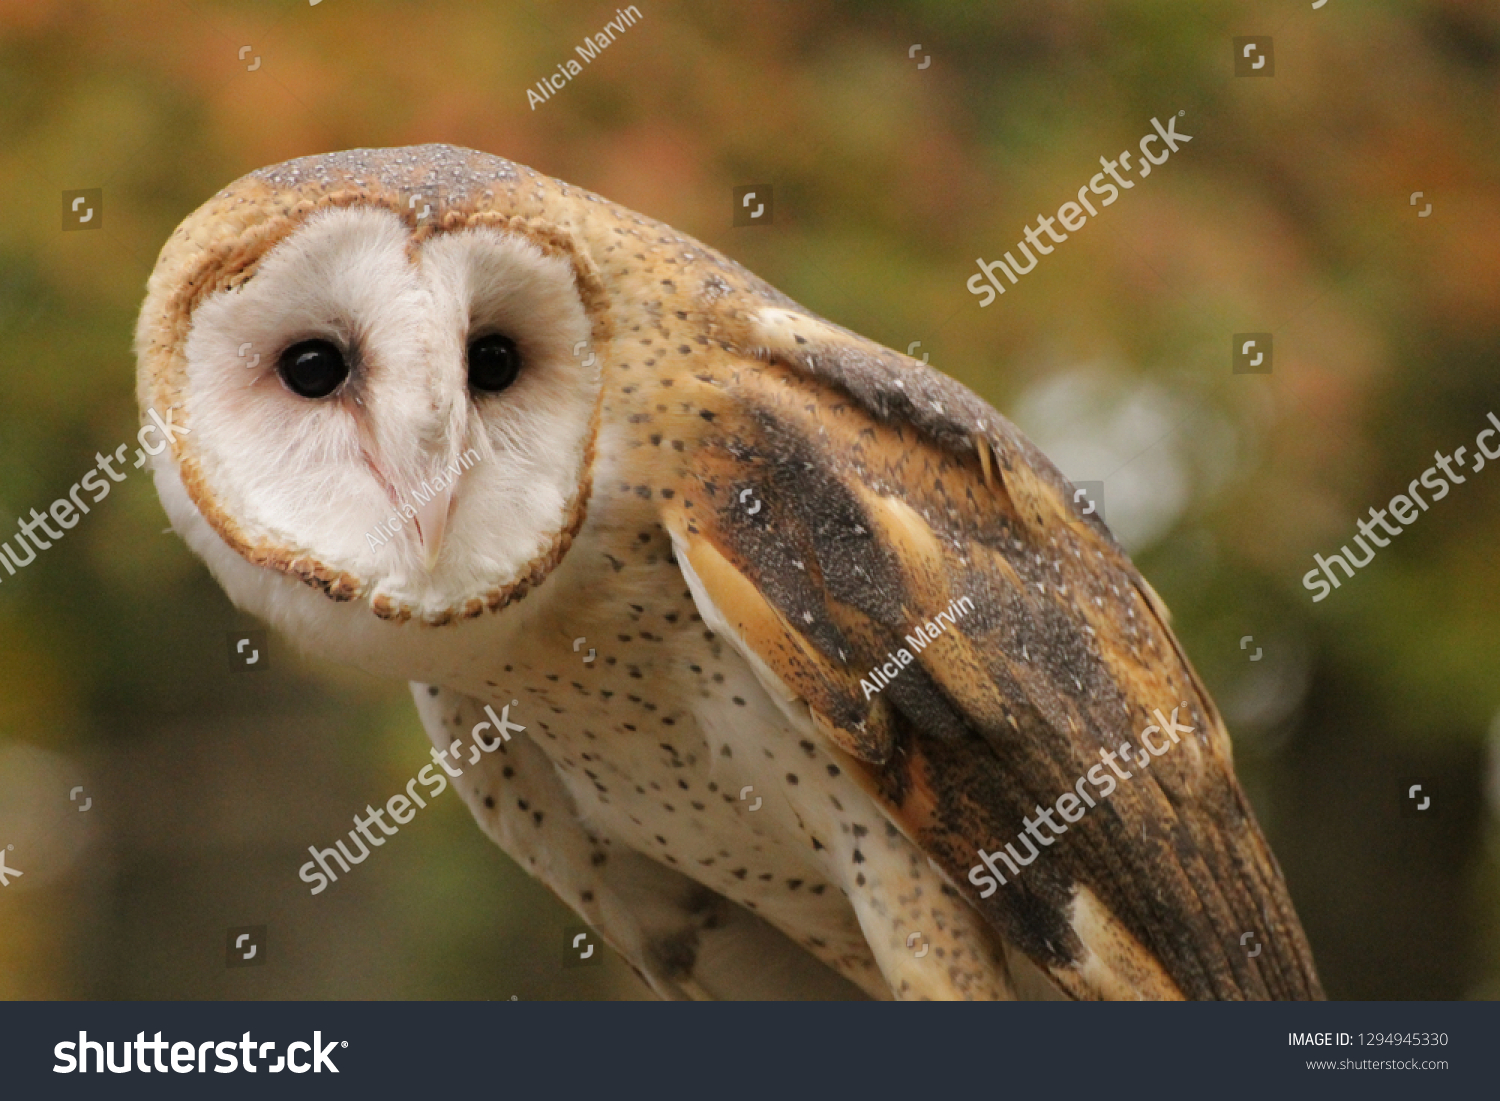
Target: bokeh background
[[1290, 212]]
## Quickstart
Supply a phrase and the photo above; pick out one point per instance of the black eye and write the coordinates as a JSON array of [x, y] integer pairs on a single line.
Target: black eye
[[494, 362], [313, 368]]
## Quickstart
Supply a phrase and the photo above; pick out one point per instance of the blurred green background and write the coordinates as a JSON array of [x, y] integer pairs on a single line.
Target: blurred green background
[[1290, 212]]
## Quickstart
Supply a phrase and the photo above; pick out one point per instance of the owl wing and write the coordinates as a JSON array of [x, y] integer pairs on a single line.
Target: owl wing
[[894, 555]]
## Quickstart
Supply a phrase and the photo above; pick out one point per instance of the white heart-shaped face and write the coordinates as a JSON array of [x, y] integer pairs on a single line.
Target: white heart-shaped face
[[407, 475]]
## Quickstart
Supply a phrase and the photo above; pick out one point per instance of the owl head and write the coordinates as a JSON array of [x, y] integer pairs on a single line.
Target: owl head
[[385, 366]]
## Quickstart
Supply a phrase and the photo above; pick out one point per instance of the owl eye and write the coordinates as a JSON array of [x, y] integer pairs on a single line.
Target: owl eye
[[494, 362], [312, 368]]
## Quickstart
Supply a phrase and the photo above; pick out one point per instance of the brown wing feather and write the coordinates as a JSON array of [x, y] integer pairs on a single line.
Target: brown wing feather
[[886, 492]]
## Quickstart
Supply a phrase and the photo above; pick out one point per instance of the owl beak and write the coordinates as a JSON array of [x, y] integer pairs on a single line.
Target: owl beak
[[432, 522]]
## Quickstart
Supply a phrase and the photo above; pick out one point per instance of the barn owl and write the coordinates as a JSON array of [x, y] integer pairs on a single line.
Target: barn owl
[[815, 671]]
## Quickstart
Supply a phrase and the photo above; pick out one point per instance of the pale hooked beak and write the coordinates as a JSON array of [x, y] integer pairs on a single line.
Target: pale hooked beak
[[429, 505], [432, 523]]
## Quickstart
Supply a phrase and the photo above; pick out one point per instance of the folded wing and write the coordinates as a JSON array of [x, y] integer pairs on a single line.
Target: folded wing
[[849, 509]]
